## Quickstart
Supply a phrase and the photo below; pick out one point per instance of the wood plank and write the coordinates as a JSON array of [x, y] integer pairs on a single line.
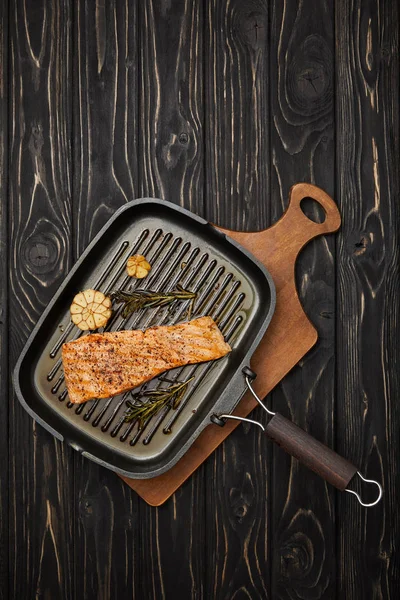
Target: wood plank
[[237, 114], [237, 197], [302, 149], [171, 117], [368, 360], [4, 553], [217, 528], [171, 167], [41, 475], [105, 177], [105, 109]]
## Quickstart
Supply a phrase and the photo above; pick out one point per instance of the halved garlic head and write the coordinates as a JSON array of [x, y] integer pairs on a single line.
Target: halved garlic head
[[137, 266], [90, 310]]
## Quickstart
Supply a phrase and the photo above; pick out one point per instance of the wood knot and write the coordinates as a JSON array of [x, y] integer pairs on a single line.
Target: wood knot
[[252, 28], [319, 303], [36, 139], [361, 245], [40, 253], [326, 314], [240, 512], [311, 80], [241, 499], [86, 507], [309, 76], [296, 556], [177, 145], [302, 555]]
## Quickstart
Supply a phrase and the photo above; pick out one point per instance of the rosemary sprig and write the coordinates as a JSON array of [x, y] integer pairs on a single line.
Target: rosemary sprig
[[138, 299], [148, 404]]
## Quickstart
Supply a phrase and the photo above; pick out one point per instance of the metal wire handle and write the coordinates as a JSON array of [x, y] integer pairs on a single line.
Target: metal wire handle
[[248, 383], [367, 481], [253, 422], [242, 419]]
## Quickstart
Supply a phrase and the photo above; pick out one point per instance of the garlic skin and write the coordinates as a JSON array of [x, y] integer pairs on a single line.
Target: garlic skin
[[137, 266], [90, 309]]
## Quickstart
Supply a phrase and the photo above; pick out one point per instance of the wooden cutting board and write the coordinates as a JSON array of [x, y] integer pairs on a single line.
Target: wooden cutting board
[[288, 338]]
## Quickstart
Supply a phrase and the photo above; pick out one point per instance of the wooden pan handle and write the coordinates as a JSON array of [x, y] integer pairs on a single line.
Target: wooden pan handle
[[314, 455]]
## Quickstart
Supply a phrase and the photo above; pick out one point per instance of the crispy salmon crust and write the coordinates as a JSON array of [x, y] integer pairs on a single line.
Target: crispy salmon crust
[[101, 365]]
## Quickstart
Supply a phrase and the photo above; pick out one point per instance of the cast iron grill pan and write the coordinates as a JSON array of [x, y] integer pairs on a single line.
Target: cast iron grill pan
[[232, 287]]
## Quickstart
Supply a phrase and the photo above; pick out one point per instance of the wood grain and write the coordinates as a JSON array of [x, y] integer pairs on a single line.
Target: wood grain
[[4, 301], [219, 106], [41, 477], [237, 114], [172, 552], [368, 357], [105, 104], [237, 197], [105, 109], [171, 102], [302, 148]]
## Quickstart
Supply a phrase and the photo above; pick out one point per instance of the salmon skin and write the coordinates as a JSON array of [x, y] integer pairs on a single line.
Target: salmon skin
[[101, 365]]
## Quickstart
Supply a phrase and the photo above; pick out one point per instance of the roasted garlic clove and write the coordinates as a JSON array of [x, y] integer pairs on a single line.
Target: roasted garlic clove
[[137, 266], [90, 309]]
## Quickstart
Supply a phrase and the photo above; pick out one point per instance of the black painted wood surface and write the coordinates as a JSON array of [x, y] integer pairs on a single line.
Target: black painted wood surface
[[218, 106]]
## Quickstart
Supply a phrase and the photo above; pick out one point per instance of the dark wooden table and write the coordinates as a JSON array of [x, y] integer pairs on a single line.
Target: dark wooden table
[[219, 106]]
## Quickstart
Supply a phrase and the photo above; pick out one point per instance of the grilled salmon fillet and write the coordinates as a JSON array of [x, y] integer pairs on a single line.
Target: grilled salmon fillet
[[101, 365]]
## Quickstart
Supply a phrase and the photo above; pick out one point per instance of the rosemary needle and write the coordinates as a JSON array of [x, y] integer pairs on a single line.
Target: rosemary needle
[[138, 299], [147, 404]]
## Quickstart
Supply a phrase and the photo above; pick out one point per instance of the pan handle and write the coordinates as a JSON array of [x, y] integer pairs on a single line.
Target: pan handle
[[332, 467]]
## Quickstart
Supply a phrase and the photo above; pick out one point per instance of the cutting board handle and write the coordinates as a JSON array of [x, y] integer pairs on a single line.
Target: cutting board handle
[[294, 229], [279, 246], [298, 192], [295, 218]]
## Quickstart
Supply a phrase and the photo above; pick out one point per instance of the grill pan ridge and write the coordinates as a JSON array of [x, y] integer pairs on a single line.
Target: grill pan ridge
[[232, 287]]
